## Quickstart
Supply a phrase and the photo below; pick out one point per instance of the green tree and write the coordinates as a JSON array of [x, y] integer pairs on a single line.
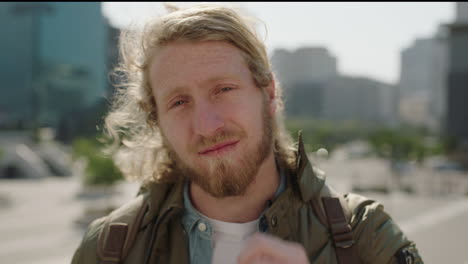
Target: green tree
[[325, 134], [399, 145], [100, 169]]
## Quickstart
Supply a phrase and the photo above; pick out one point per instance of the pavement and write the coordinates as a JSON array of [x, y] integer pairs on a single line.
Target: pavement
[[39, 218]]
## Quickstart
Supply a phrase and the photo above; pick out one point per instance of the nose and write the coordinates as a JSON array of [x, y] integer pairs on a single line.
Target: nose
[[206, 120]]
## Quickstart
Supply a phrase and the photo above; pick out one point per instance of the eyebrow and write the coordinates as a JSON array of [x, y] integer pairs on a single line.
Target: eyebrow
[[178, 89], [220, 78], [166, 97]]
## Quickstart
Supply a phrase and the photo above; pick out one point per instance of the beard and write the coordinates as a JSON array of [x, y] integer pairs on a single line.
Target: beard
[[226, 176]]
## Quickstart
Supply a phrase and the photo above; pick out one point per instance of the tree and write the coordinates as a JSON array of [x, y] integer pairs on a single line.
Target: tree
[[100, 169]]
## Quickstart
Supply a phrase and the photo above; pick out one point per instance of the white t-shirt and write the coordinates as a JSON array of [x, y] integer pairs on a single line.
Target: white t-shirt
[[229, 239]]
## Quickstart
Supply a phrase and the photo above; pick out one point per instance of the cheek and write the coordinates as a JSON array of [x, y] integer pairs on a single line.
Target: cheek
[[247, 114], [175, 134]]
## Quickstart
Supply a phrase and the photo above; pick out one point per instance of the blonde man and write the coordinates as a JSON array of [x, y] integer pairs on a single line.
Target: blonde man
[[199, 116]]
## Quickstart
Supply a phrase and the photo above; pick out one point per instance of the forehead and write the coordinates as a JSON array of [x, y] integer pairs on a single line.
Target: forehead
[[185, 63]]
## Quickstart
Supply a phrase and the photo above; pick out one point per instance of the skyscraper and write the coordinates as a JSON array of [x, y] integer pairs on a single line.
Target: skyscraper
[[58, 50], [422, 81], [457, 94], [306, 64]]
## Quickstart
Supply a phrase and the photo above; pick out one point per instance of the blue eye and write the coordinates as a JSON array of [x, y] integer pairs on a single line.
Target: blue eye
[[226, 89], [180, 102]]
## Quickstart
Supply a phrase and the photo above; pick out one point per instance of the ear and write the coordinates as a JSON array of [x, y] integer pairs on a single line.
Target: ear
[[271, 94]]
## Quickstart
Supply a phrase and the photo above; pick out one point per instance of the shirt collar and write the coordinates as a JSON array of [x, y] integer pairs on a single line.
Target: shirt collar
[[192, 216]]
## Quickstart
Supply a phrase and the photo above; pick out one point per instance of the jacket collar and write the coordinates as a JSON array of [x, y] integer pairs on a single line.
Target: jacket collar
[[306, 183], [163, 197], [309, 178]]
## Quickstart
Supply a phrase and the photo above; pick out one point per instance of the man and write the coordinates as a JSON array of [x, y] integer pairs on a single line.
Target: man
[[200, 119]]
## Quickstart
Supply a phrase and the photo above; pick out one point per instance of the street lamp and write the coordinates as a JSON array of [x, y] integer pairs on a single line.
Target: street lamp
[[35, 9]]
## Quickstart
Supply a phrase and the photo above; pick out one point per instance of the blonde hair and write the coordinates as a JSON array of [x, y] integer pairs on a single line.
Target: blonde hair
[[132, 122]]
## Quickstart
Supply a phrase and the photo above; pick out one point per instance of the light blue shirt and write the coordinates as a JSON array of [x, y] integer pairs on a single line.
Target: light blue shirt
[[200, 232]]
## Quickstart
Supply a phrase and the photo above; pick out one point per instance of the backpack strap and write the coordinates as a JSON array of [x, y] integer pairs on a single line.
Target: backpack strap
[[341, 231], [120, 230], [114, 242], [333, 212]]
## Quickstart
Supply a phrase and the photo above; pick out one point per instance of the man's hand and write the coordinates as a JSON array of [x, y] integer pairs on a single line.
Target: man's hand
[[262, 248]]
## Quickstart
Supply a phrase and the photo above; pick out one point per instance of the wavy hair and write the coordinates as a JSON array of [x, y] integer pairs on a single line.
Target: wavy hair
[[132, 121]]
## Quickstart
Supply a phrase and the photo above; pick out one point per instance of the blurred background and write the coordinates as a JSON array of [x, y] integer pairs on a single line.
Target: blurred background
[[380, 91]]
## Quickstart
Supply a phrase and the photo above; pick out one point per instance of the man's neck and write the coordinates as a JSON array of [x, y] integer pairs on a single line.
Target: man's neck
[[240, 209]]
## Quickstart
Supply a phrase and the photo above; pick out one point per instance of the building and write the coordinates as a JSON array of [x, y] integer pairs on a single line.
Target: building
[[75, 34], [313, 88], [305, 100], [343, 98], [422, 82], [438, 98], [416, 63], [54, 59], [461, 11], [15, 65], [359, 99], [303, 74], [304, 65], [457, 93]]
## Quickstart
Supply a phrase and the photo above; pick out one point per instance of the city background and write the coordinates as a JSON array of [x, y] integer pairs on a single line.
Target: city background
[[400, 140]]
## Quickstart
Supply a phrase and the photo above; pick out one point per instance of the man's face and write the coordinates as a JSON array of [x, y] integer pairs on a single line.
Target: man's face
[[215, 122]]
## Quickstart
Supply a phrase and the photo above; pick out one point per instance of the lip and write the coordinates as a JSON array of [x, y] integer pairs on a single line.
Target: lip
[[218, 148]]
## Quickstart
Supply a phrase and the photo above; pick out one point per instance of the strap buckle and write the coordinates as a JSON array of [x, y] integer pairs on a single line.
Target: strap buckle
[[345, 244]]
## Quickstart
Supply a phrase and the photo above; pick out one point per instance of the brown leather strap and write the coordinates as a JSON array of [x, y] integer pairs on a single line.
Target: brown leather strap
[[114, 243], [341, 231], [115, 236], [134, 227]]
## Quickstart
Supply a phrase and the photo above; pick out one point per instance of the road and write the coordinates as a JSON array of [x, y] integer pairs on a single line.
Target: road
[[37, 223]]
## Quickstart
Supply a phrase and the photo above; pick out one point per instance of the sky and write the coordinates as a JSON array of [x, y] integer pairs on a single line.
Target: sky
[[366, 38]]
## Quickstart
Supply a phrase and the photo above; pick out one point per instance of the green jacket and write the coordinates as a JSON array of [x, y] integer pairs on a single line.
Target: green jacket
[[291, 217]]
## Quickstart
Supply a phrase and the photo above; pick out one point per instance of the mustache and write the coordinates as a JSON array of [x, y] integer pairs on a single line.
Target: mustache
[[223, 135]]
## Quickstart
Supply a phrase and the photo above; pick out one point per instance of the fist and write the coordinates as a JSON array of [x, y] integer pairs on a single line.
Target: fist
[[263, 248]]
